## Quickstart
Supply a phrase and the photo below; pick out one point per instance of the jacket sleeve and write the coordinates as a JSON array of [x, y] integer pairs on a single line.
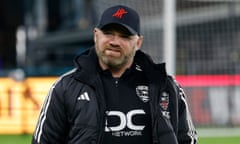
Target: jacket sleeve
[[51, 127], [186, 131]]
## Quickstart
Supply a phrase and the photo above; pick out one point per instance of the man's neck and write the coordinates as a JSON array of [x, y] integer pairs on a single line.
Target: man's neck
[[116, 72]]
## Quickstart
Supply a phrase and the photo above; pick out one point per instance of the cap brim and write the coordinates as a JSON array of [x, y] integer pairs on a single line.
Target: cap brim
[[129, 29]]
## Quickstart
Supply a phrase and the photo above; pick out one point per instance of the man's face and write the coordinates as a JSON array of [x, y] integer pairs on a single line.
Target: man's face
[[115, 47]]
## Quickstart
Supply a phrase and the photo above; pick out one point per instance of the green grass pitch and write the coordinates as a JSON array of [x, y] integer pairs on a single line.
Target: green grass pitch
[[26, 139], [219, 140], [15, 139]]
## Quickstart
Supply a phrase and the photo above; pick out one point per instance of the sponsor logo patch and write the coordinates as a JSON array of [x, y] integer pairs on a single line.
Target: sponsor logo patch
[[164, 103]]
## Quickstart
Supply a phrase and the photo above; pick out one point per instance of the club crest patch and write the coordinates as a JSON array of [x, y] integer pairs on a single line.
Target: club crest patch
[[143, 93]]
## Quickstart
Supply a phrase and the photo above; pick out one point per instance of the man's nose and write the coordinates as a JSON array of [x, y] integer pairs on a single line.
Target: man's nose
[[115, 41]]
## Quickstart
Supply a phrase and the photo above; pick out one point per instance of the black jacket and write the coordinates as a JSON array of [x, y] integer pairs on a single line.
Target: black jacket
[[65, 118]]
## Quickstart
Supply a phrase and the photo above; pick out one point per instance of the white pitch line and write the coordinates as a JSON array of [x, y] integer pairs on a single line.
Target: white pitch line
[[218, 132]]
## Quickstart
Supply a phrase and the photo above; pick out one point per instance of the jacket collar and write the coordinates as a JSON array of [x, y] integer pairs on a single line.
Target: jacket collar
[[88, 67], [86, 64]]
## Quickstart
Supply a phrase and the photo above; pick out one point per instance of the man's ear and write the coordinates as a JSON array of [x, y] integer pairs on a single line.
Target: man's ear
[[94, 34], [139, 42]]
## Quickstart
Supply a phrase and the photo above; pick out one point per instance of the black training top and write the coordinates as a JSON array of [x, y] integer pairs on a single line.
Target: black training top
[[128, 118]]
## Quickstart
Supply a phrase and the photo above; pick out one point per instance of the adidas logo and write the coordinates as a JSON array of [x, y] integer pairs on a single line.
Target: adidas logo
[[84, 96]]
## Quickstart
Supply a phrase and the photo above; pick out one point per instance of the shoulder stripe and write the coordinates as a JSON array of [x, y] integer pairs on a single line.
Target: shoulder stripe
[[191, 129], [42, 116], [43, 113]]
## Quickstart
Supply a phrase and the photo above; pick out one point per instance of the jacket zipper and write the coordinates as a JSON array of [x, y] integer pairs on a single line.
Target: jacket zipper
[[102, 109], [153, 108], [102, 126], [152, 117]]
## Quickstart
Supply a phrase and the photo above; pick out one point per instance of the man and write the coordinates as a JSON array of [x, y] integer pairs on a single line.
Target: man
[[116, 95]]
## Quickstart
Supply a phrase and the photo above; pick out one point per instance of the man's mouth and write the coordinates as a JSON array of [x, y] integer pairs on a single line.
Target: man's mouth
[[114, 52]]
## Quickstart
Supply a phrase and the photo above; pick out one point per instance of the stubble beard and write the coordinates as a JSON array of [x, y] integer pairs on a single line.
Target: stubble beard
[[114, 63]]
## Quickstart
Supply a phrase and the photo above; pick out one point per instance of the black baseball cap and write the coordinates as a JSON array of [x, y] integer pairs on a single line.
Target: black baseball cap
[[122, 15]]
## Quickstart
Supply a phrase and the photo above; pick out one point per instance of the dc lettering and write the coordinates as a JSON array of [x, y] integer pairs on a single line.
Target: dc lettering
[[125, 120]]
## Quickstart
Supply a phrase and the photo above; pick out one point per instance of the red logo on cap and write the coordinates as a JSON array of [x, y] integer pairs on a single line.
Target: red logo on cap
[[120, 12]]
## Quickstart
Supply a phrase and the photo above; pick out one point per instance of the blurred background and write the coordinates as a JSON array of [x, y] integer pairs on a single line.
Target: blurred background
[[199, 40]]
